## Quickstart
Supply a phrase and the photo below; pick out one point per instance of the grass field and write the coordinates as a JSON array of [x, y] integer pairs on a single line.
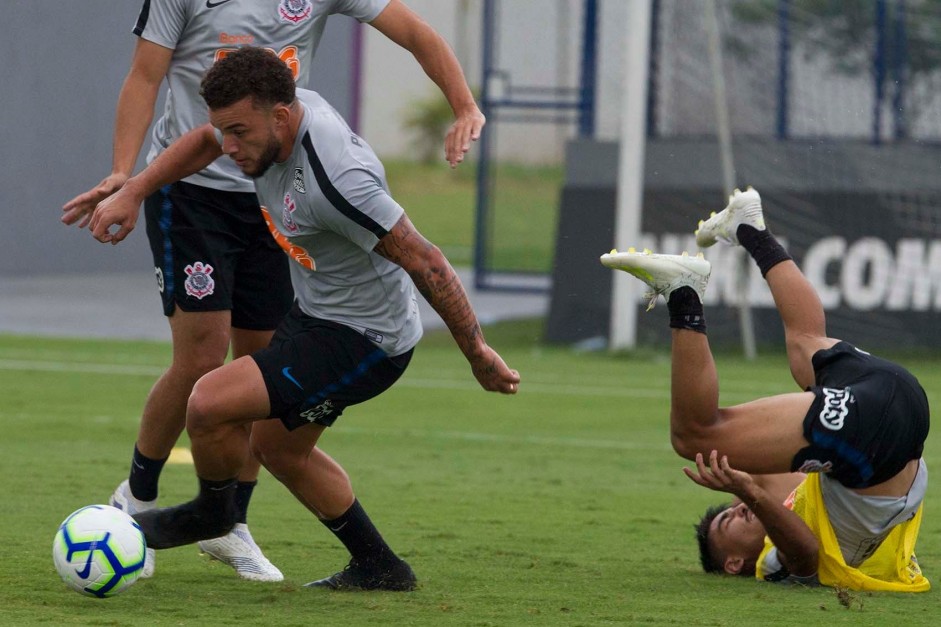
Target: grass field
[[563, 505], [440, 202]]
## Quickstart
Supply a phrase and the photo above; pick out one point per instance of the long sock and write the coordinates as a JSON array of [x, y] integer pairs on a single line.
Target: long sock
[[686, 310], [210, 515], [243, 494], [145, 473], [360, 537], [762, 246]]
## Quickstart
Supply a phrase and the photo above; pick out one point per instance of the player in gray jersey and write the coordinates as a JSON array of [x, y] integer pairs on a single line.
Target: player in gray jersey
[[356, 260], [223, 280]]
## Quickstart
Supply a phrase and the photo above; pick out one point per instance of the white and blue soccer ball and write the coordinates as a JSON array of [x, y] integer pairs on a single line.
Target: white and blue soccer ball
[[99, 551]]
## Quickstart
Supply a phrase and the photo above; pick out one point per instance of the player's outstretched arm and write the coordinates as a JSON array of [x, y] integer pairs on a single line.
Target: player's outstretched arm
[[189, 154], [441, 287], [407, 29], [797, 546], [135, 111]]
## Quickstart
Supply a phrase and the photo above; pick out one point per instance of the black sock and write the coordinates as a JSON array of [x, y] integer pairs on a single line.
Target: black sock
[[686, 310], [762, 246], [243, 494], [145, 472], [360, 537], [210, 515]]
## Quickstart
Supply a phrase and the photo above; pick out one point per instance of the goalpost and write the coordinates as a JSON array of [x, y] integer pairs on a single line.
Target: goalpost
[[630, 191]]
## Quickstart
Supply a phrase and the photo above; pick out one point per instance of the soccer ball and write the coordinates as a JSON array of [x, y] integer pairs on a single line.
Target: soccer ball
[[99, 551]]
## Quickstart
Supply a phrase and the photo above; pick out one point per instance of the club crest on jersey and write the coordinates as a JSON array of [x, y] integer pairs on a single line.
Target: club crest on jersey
[[294, 11], [299, 181], [287, 217], [199, 282]]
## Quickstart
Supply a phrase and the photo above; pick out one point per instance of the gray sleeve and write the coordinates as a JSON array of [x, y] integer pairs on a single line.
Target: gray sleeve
[[362, 10], [364, 210], [163, 22]]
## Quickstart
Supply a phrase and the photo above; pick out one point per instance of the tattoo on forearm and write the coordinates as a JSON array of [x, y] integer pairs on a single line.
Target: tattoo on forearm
[[434, 278]]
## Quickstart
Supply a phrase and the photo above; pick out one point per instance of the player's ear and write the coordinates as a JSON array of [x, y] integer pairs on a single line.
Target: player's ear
[[734, 565], [282, 113]]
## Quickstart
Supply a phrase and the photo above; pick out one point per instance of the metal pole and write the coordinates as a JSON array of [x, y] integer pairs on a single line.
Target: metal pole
[[784, 66], [653, 71], [724, 133], [356, 89], [483, 160], [879, 72], [586, 101], [899, 70]]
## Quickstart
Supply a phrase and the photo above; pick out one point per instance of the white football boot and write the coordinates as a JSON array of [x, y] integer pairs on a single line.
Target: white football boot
[[743, 208], [125, 501], [663, 273], [238, 549]]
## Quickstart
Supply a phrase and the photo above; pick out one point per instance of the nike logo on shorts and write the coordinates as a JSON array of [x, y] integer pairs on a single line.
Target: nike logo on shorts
[[211, 5], [286, 371]]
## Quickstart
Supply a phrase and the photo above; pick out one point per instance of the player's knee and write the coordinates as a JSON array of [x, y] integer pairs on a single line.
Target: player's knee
[[202, 411], [269, 456], [687, 441], [256, 448], [681, 446], [194, 368], [281, 463]]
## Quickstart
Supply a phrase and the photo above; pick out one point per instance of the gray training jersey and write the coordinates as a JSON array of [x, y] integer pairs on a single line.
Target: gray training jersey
[[202, 31], [327, 206]]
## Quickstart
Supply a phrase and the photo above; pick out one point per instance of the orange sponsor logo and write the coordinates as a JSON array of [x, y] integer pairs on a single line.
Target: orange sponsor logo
[[288, 54], [297, 253], [238, 40]]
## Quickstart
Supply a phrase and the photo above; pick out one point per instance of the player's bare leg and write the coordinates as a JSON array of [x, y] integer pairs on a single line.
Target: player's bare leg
[[238, 548], [761, 436], [312, 476], [244, 343], [758, 437], [223, 403], [805, 327], [200, 344]]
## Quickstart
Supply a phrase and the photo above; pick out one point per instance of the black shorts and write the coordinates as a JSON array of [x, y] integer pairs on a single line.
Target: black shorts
[[869, 418], [314, 369], [213, 252]]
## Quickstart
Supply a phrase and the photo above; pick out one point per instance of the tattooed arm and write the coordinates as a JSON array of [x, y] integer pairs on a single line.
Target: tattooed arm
[[440, 286]]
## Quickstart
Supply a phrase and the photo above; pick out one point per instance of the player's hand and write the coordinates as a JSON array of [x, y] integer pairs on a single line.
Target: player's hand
[[82, 206], [466, 129], [120, 209], [719, 476], [493, 374]]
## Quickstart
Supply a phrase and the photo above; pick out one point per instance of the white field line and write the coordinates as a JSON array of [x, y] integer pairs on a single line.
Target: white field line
[[618, 390], [621, 391], [445, 384], [496, 438], [738, 391]]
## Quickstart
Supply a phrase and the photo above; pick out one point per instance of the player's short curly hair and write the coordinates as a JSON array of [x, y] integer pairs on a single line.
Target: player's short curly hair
[[248, 71], [709, 563]]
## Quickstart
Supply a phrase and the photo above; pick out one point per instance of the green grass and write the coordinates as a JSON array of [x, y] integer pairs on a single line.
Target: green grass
[[563, 505], [440, 202]]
